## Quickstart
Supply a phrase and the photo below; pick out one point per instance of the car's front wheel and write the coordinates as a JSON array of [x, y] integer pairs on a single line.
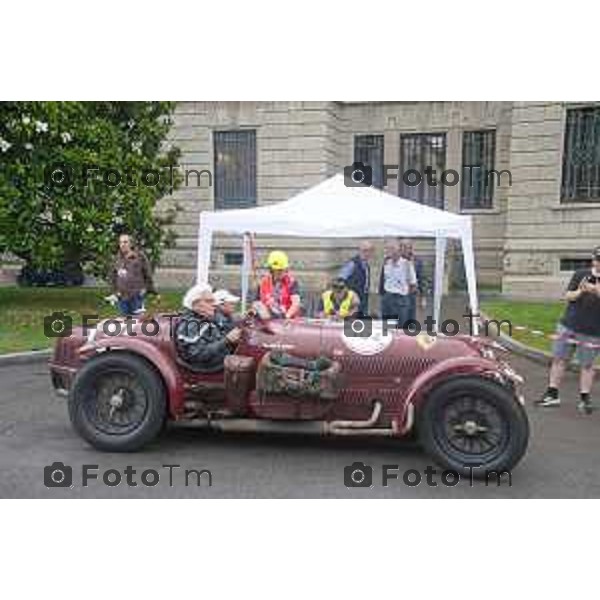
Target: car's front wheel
[[117, 402], [473, 426]]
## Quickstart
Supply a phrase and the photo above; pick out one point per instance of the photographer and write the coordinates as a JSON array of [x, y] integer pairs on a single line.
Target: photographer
[[578, 331]]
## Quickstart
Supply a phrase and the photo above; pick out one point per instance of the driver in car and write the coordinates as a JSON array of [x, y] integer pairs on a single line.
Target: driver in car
[[199, 339]]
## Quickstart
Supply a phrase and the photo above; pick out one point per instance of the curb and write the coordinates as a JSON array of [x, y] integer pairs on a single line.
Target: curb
[[22, 358], [537, 356]]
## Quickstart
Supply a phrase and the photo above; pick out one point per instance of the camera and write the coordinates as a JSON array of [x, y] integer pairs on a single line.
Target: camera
[[358, 326], [358, 475], [358, 174], [58, 325], [58, 175], [58, 475]]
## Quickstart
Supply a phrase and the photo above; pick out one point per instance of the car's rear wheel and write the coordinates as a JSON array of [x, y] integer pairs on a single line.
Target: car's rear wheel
[[117, 402], [473, 426]]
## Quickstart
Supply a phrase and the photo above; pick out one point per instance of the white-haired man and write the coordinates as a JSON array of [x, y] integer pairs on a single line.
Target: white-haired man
[[199, 339]]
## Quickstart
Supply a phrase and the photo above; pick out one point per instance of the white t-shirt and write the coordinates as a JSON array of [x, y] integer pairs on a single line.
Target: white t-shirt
[[398, 276]]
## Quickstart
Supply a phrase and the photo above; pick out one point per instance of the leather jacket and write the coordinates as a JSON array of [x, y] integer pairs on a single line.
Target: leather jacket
[[201, 342]]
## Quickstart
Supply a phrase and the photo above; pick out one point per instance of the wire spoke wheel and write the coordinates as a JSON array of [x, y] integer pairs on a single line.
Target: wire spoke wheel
[[473, 425], [118, 402]]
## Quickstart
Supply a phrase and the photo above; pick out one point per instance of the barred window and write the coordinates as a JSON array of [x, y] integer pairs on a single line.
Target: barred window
[[581, 156], [235, 169], [233, 258], [574, 264], [368, 149], [419, 152], [477, 181]]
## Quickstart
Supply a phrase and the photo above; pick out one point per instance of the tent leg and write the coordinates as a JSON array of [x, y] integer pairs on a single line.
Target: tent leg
[[469, 260], [245, 274], [440, 259]]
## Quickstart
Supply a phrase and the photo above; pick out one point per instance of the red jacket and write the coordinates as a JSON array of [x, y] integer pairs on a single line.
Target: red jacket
[[266, 291]]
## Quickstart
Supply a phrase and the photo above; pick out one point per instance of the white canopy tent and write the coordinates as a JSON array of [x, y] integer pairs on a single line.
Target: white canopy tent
[[332, 210]]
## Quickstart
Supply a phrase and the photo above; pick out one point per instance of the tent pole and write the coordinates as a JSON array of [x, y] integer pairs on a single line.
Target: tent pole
[[246, 264], [440, 256], [469, 261]]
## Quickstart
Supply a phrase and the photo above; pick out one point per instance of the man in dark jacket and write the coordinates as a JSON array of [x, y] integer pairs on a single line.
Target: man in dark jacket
[[357, 274], [408, 251], [130, 277], [199, 340]]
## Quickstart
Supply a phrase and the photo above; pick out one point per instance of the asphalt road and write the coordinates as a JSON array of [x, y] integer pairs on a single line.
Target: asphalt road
[[562, 460]]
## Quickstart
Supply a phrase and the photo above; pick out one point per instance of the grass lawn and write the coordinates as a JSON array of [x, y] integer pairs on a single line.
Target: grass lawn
[[22, 312], [541, 316]]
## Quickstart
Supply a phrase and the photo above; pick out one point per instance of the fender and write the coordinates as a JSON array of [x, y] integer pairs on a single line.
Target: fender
[[461, 366], [162, 363]]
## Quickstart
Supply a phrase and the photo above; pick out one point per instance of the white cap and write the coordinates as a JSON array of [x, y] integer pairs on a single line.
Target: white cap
[[222, 296], [194, 293]]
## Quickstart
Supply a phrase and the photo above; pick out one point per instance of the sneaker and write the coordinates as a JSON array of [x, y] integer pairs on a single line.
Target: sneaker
[[585, 406], [547, 400]]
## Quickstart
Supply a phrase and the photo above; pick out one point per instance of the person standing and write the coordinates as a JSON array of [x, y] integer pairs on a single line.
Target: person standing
[[357, 274], [396, 282], [420, 291], [130, 277], [577, 332]]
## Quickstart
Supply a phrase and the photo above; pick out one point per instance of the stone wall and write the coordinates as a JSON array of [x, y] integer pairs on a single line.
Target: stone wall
[[540, 230], [302, 143]]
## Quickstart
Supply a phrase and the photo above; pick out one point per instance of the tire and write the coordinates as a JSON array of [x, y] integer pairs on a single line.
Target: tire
[[449, 418], [118, 402]]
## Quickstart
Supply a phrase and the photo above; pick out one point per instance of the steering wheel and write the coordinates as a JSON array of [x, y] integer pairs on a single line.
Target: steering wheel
[[253, 320]]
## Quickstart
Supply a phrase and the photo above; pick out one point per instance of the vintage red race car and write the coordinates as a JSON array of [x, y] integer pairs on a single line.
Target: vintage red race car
[[306, 376]]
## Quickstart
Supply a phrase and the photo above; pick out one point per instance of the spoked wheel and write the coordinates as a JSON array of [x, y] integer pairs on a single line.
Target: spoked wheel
[[473, 426], [117, 402]]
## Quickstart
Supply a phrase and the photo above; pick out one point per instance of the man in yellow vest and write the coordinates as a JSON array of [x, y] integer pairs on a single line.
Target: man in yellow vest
[[339, 302]]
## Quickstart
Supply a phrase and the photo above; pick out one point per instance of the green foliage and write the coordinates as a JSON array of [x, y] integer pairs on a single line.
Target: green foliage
[[77, 218]]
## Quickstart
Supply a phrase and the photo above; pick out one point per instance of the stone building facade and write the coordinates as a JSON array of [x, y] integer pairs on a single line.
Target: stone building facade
[[536, 221]]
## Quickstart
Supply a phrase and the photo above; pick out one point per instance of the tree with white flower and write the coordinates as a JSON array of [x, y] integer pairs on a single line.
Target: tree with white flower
[[53, 222]]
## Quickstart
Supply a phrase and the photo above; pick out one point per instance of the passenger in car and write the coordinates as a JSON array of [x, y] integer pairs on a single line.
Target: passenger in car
[[199, 339], [339, 301], [226, 304], [278, 295]]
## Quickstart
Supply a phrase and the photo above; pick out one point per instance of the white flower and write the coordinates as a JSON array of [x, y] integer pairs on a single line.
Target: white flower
[[26, 120], [67, 216], [137, 147], [47, 216], [4, 145], [66, 137], [90, 228], [41, 127], [130, 123], [118, 221], [28, 146]]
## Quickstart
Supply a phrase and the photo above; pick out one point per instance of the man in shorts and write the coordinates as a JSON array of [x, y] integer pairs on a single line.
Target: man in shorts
[[578, 332]]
